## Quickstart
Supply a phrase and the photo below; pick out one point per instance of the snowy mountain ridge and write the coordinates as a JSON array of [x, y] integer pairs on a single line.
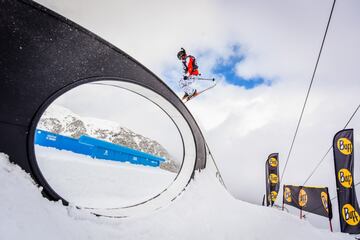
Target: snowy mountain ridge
[[60, 120]]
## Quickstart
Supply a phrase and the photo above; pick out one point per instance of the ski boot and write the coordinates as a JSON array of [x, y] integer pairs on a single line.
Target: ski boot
[[185, 96], [192, 95]]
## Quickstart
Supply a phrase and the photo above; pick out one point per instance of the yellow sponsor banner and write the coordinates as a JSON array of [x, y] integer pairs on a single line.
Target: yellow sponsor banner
[[350, 215]]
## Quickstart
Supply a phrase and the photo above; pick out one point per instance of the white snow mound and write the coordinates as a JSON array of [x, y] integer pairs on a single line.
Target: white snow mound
[[204, 211]]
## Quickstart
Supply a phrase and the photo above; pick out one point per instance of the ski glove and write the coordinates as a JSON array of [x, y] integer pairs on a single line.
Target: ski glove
[[185, 77]]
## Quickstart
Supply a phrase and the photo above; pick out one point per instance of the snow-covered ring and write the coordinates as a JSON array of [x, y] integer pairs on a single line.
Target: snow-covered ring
[[188, 164]]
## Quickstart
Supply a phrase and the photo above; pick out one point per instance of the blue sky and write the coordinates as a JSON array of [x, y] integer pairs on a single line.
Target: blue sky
[[222, 67], [226, 67]]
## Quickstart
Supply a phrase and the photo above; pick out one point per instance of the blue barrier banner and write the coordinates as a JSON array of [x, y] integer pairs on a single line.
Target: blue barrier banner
[[96, 148]]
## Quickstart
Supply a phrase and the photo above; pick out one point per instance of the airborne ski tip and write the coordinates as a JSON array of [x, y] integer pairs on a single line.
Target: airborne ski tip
[[198, 93]]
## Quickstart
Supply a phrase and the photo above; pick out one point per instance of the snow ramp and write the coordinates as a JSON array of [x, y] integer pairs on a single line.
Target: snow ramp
[[44, 56]]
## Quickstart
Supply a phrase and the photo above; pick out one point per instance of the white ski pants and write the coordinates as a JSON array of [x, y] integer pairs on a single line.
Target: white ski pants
[[186, 85]]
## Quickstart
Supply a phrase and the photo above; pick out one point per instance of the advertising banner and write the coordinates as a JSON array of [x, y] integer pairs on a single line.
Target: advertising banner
[[315, 200], [272, 178], [343, 149]]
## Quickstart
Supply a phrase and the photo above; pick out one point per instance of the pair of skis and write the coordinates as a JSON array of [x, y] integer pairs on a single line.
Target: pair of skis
[[202, 91]]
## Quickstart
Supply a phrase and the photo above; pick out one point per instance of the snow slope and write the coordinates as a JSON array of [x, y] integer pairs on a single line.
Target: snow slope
[[100, 183], [204, 211]]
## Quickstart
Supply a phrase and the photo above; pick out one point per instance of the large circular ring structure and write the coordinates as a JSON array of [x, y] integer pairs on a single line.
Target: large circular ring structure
[[43, 55], [168, 194]]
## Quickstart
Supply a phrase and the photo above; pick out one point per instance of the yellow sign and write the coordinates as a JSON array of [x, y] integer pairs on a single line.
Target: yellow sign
[[273, 162], [273, 196], [287, 194], [350, 215], [345, 146], [345, 177], [324, 200], [303, 198], [273, 178]]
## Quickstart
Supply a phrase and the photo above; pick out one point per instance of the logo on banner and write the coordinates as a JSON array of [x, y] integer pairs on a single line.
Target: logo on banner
[[287, 194], [303, 198], [273, 178], [345, 146], [350, 215], [324, 200], [273, 162], [345, 177], [273, 195]]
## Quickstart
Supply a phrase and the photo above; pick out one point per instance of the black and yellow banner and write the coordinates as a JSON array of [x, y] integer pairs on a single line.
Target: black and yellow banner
[[310, 199], [272, 178], [343, 149]]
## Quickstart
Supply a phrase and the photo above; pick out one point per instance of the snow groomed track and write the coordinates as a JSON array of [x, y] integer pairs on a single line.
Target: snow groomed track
[[44, 55]]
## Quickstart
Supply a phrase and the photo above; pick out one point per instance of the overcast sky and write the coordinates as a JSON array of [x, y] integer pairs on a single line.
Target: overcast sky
[[263, 54]]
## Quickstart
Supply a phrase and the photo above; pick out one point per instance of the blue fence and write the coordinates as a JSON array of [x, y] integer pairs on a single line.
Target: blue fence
[[96, 148]]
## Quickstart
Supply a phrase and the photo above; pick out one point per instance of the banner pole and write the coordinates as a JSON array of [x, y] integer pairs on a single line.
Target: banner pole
[[263, 201], [282, 207], [331, 228], [300, 213]]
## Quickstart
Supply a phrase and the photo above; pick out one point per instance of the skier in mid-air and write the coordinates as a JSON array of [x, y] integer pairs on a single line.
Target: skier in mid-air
[[190, 71]]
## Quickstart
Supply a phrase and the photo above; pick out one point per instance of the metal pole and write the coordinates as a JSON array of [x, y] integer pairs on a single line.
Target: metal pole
[[282, 207], [331, 228], [263, 201]]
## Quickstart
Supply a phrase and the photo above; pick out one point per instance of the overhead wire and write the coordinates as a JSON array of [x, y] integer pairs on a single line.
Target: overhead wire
[[357, 182], [308, 92], [327, 152], [351, 117]]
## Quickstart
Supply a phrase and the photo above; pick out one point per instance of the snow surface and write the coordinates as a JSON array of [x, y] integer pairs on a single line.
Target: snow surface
[[204, 211], [90, 182]]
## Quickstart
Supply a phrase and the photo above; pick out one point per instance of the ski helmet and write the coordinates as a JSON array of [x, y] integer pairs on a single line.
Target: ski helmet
[[181, 53]]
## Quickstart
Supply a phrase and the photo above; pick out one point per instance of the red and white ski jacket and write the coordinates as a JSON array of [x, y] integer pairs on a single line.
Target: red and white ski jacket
[[190, 67]]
